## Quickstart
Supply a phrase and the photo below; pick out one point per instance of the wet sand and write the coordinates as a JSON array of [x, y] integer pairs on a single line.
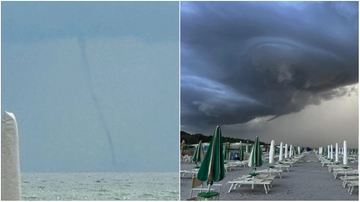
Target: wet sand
[[305, 181]]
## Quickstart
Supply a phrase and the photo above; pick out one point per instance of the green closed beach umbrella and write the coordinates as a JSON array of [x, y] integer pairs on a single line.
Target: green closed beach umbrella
[[326, 152], [212, 168], [277, 150], [199, 153], [255, 159]]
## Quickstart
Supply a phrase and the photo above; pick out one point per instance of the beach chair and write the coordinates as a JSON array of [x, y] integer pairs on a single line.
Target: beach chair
[[265, 180], [287, 162], [280, 166], [331, 167], [345, 172], [351, 185], [347, 179], [326, 162], [197, 186], [193, 173], [270, 171], [230, 167], [250, 181]]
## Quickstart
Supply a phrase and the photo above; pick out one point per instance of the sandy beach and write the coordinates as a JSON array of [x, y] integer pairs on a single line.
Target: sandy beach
[[305, 181]]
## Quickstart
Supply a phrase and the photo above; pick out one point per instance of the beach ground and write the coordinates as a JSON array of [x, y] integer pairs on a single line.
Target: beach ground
[[305, 181]]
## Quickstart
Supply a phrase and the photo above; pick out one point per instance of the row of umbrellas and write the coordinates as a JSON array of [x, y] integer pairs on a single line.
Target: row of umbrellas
[[329, 152], [240, 149], [212, 168], [199, 152]]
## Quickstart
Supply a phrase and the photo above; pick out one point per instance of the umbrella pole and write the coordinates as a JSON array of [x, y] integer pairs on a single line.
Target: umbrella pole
[[208, 188], [252, 185]]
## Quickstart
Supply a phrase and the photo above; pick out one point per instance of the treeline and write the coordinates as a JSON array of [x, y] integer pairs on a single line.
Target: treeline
[[195, 138]]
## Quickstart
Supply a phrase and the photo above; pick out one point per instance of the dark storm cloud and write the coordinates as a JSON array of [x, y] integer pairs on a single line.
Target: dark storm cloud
[[242, 60]]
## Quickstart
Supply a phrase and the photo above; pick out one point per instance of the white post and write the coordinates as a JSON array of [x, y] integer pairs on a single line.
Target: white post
[[336, 152], [281, 152], [10, 163], [271, 155], [331, 152], [345, 160]]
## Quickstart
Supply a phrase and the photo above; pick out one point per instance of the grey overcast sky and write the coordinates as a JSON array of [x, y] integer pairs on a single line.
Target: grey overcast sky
[[94, 85], [286, 71]]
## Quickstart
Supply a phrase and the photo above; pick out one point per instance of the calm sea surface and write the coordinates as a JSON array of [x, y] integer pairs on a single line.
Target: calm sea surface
[[100, 186]]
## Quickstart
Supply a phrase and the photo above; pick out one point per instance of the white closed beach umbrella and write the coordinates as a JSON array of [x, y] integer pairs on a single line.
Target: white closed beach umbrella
[[299, 150], [336, 152], [331, 152], [290, 153], [10, 163], [272, 151], [286, 151], [328, 152], [345, 160], [281, 152]]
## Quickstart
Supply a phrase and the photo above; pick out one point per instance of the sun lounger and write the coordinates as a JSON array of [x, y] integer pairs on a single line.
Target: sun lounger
[[193, 173], [250, 181], [345, 172], [238, 163], [261, 179], [230, 167], [186, 159], [331, 167], [323, 163], [347, 179], [290, 163], [282, 166], [351, 185], [270, 170]]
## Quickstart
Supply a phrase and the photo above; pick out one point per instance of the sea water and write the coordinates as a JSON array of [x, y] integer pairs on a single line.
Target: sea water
[[100, 186]]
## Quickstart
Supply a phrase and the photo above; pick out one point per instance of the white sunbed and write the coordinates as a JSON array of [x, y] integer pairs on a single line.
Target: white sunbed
[[193, 172], [345, 172], [282, 166], [351, 185], [240, 163], [229, 167], [326, 162], [291, 163], [331, 167], [249, 181], [265, 180], [271, 170], [347, 179], [186, 159]]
